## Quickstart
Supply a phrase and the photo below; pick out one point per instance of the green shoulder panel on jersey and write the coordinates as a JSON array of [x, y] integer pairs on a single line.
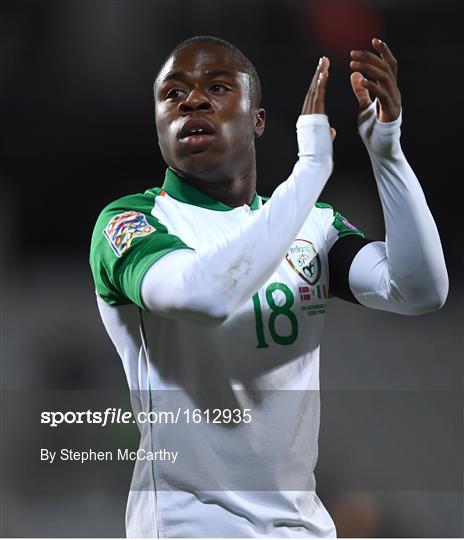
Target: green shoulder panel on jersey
[[344, 227], [340, 223], [127, 240], [324, 205]]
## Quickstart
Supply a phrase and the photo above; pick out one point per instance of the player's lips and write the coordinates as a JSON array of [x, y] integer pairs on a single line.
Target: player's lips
[[196, 132]]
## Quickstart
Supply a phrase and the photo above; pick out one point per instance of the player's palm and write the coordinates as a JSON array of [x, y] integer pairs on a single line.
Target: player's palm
[[314, 102]]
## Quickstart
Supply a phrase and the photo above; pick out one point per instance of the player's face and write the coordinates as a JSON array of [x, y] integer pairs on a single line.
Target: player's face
[[204, 117]]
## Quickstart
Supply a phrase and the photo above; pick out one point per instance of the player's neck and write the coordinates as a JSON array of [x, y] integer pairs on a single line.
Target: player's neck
[[231, 189]]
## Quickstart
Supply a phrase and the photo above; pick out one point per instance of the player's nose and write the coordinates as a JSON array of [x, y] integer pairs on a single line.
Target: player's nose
[[195, 100]]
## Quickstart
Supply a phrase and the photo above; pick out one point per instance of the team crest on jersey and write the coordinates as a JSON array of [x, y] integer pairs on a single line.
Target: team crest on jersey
[[304, 259], [125, 227]]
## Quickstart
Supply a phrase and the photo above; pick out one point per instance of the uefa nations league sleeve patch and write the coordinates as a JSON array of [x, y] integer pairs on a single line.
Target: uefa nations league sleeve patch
[[125, 227]]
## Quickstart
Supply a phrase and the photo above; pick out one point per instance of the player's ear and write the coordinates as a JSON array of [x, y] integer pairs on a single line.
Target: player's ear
[[259, 121]]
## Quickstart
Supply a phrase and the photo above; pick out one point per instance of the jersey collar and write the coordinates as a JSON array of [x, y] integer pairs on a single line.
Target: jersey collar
[[180, 190]]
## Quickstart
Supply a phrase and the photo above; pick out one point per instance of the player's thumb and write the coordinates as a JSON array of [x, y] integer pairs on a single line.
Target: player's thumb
[[361, 93]]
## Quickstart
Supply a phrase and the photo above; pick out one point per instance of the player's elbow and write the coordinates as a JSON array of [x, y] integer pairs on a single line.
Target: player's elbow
[[427, 299], [434, 300], [421, 308], [177, 299], [188, 313], [201, 311], [215, 317], [204, 319]]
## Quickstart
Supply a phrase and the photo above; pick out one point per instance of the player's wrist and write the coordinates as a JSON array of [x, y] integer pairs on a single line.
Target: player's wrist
[[314, 138], [315, 119], [382, 139], [390, 128]]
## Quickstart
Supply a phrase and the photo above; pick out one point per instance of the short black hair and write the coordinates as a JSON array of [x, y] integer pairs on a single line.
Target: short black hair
[[243, 61]]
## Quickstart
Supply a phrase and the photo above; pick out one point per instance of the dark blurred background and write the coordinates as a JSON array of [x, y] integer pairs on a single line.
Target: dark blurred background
[[77, 131]]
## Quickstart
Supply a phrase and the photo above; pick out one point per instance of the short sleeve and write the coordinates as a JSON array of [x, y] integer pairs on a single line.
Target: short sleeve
[[127, 240]]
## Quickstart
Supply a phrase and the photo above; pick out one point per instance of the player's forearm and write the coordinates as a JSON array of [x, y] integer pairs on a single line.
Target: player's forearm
[[211, 284], [410, 268]]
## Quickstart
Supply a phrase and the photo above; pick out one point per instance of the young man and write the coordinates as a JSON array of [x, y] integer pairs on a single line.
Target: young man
[[215, 296]]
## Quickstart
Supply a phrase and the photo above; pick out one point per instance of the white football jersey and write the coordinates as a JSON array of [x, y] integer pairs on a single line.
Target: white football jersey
[[239, 402]]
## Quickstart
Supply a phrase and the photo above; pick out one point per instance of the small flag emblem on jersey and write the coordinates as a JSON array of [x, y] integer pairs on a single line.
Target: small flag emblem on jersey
[[304, 293], [125, 227]]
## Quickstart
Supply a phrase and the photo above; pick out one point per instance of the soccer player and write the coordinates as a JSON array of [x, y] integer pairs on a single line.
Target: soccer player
[[214, 296]]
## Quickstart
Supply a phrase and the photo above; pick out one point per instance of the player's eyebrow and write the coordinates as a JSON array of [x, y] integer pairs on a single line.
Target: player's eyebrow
[[174, 75], [210, 74], [218, 73]]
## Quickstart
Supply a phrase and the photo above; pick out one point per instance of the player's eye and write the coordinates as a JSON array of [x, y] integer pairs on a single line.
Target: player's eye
[[219, 88], [174, 93]]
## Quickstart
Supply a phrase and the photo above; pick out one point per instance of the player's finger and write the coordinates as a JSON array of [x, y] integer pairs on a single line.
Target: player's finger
[[325, 63], [377, 91], [319, 68], [319, 100], [390, 107], [379, 75], [382, 48], [317, 87], [360, 91], [333, 133], [309, 98], [371, 58]]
